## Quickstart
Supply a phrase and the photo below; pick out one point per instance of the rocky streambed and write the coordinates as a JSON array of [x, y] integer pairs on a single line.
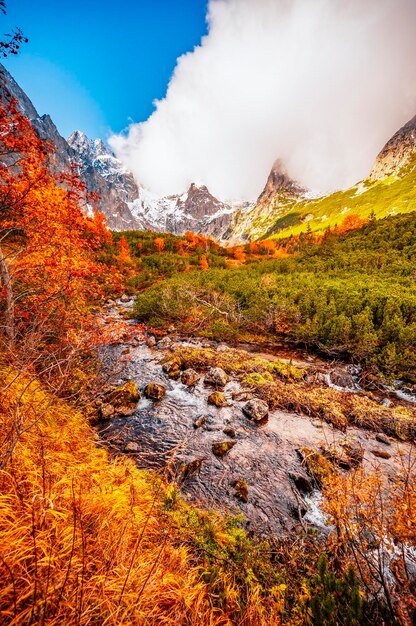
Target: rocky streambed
[[197, 430]]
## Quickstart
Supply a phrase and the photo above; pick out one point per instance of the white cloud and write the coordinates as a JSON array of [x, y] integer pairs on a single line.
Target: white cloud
[[321, 84]]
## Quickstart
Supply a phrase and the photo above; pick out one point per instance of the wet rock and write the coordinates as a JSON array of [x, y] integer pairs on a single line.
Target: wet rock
[[190, 377], [381, 454], [317, 377], [217, 399], [110, 303], [125, 394], [125, 298], [221, 448], [241, 490], [243, 395], [341, 378], [171, 365], [107, 411], [151, 341], [386, 402], [165, 343], [188, 469], [302, 482], [216, 377], [200, 421], [131, 446], [382, 438], [230, 432], [256, 409], [125, 410], [154, 391]]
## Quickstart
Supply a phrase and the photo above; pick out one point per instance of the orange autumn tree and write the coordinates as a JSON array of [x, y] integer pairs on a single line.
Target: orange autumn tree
[[49, 271], [159, 244], [204, 263]]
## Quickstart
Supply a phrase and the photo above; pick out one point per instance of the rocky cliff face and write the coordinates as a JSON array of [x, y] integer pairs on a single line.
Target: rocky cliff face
[[280, 184], [114, 207], [397, 153], [278, 197]]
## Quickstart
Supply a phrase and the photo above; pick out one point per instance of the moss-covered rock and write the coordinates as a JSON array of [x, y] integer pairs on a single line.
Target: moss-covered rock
[[125, 394], [221, 448], [154, 391], [217, 399], [241, 490]]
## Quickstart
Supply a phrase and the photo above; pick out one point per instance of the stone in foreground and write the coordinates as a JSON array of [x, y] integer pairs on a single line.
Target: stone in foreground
[[190, 377], [381, 454], [131, 446], [127, 393], [154, 391], [221, 448], [256, 409], [241, 490], [200, 421], [217, 399], [216, 377]]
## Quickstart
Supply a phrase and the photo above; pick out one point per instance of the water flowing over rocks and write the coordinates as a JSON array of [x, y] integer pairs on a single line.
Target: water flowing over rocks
[[261, 473]]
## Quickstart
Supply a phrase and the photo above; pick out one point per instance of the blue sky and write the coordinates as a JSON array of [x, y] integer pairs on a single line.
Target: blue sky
[[96, 65]]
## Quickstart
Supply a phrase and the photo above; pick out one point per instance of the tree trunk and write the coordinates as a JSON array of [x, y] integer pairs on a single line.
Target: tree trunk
[[9, 324]]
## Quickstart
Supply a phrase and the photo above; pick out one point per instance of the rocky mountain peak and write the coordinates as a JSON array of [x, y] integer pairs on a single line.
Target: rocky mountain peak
[[280, 183], [397, 152]]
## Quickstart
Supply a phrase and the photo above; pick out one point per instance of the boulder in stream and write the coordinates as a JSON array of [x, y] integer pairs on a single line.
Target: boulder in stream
[[151, 341], [154, 391], [125, 298], [200, 421], [241, 490], [256, 409], [187, 470], [217, 399], [107, 411], [131, 446], [216, 377], [381, 454], [125, 393], [190, 377], [342, 378], [221, 448], [165, 343]]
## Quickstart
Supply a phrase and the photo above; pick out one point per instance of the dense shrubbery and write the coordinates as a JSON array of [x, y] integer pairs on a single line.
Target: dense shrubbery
[[351, 295]]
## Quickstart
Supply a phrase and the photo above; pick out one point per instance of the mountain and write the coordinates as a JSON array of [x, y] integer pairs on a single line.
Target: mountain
[[285, 209], [397, 153], [126, 204], [113, 206], [279, 195]]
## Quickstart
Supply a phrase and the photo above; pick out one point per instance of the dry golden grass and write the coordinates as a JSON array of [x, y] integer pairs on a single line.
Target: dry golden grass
[[90, 540]]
